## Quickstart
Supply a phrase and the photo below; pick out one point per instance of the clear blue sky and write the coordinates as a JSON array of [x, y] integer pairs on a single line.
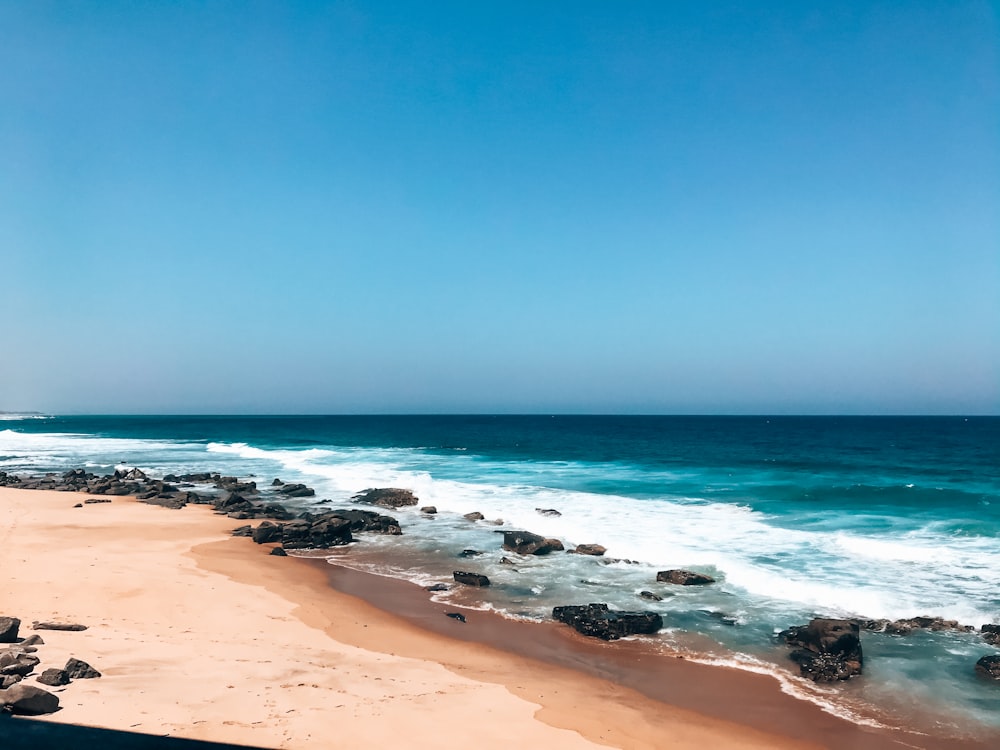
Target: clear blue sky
[[659, 207]]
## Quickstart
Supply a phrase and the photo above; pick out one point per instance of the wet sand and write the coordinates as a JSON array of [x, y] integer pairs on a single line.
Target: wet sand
[[206, 636]]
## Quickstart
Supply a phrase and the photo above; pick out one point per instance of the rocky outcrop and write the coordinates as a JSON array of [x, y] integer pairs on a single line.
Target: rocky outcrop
[[8, 629], [369, 520], [590, 549], [54, 677], [80, 670], [989, 666], [526, 543], [389, 497], [827, 650], [474, 516], [296, 490], [597, 621], [328, 530], [266, 533], [470, 579], [684, 578], [28, 700], [278, 552], [17, 663], [906, 626], [991, 634]]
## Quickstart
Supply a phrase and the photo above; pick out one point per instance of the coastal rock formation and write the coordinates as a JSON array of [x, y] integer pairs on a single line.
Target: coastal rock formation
[[548, 511], [828, 650], [989, 666], [266, 533], [474, 516], [17, 663], [436, 587], [596, 550], [429, 510], [684, 578], [296, 490], [6, 680], [369, 520], [906, 626], [28, 700], [651, 596], [991, 634], [471, 579], [72, 626], [278, 552], [526, 543], [597, 621], [78, 669], [54, 677], [8, 629], [389, 497], [328, 530]]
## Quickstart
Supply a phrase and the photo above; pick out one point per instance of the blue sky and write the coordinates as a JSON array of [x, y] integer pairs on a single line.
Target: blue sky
[[648, 207]]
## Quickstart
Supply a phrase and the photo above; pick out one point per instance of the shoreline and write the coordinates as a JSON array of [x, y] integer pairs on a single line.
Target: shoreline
[[231, 602]]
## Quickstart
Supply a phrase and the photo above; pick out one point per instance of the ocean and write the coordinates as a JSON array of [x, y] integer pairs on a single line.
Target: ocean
[[795, 517]]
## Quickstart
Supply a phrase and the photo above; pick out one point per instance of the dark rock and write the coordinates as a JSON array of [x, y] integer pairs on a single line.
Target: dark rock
[[369, 520], [526, 543], [278, 552], [277, 482], [590, 549], [53, 677], [243, 531], [8, 629], [436, 587], [470, 553], [455, 616], [474, 516], [7, 680], [328, 530], [828, 650], [684, 578], [57, 626], [97, 500], [548, 511], [170, 501], [989, 666], [32, 640], [231, 501], [18, 663], [296, 490], [266, 533], [389, 497], [651, 596], [276, 511], [28, 700], [991, 634], [430, 510], [471, 579], [78, 669], [506, 561], [171, 478], [78, 505], [597, 621]]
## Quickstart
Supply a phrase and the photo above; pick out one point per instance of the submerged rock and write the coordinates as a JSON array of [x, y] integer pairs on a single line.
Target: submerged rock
[[597, 621], [596, 550], [471, 579], [389, 497], [684, 578], [989, 666], [474, 516], [829, 649], [526, 543]]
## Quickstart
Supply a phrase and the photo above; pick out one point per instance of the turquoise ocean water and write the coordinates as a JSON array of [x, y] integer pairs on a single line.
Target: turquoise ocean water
[[870, 517]]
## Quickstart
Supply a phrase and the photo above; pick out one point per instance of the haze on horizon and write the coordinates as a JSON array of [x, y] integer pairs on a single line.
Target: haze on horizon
[[400, 207]]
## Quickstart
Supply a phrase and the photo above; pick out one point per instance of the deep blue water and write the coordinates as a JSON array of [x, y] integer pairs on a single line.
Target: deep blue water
[[795, 516]]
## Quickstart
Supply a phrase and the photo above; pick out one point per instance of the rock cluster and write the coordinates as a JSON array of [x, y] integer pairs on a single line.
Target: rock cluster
[[526, 543], [389, 497], [598, 621], [903, 627], [827, 650]]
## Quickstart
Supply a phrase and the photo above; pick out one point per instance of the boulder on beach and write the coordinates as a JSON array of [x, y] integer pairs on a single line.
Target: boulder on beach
[[387, 497], [29, 700], [684, 578], [77, 669], [470, 579], [18, 663], [266, 533], [989, 666], [54, 677], [296, 490], [828, 649], [596, 550], [8, 629], [598, 621], [72, 626], [328, 530], [526, 543], [369, 520], [278, 552]]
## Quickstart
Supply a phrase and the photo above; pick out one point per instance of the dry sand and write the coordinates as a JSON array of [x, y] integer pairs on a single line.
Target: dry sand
[[205, 636]]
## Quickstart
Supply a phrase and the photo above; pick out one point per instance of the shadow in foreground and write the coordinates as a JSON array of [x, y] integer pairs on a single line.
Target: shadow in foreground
[[27, 734]]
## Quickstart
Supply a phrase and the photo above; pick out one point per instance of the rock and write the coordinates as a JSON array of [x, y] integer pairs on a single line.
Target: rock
[[989, 666], [296, 490], [28, 700], [277, 511], [80, 670], [18, 663], [470, 553], [278, 552], [548, 511], [684, 578], [474, 516], [436, 587], [9, 679], [8, 629], [526, 543], [430, 510], [53, 677], [369, 520], [828, 650], [32, 640], [597, 621], [471, 579], [277, 482], [78, 505], [388, 497], [266, 533], [590, 549], [57, 626], [243, 531], [506, 561], [991, 634], [328, 530], [651, 596], [455, 616]]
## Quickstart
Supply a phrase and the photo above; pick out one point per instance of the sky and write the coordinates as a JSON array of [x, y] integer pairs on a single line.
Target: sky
[[500, 207]]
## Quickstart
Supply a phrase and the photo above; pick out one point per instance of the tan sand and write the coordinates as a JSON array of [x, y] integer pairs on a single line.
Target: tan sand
[[202, 635]]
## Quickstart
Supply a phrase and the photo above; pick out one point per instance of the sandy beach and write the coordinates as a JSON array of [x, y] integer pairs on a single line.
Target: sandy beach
[[205, 636]]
